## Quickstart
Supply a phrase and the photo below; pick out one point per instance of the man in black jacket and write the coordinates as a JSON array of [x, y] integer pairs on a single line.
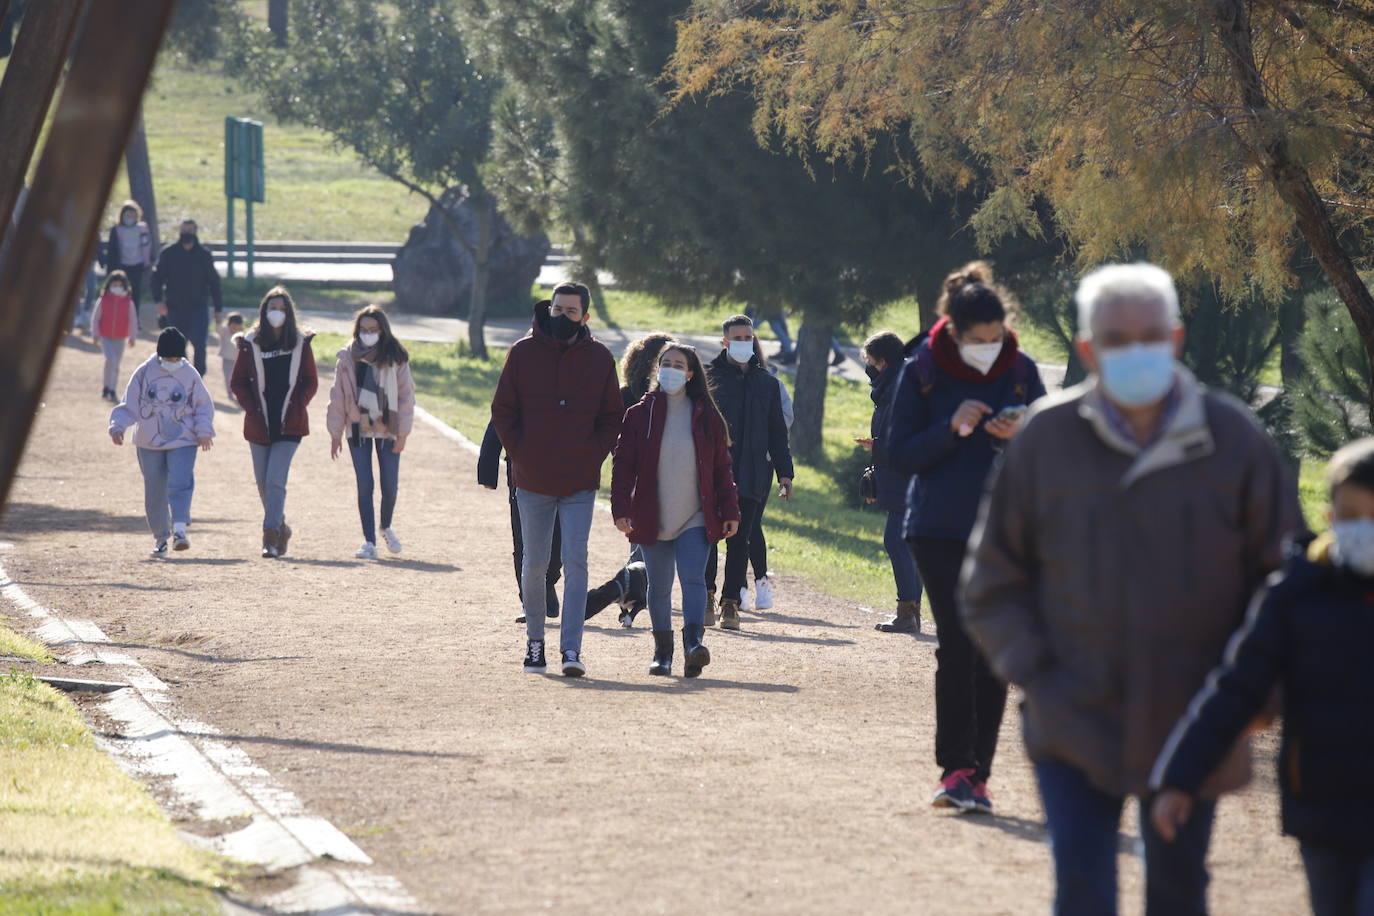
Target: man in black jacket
[[751, 403], [183, 280]]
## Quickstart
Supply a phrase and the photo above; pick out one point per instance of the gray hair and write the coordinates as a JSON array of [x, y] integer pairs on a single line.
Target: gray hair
[[1124, 283]]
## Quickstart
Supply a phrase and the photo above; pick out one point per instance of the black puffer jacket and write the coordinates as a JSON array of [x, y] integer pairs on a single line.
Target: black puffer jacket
[[892, 484], [1309, 631], [185, 279], [752, 406]]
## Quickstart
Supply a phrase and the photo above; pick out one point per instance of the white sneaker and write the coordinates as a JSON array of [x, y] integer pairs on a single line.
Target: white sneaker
[[367, 552], [763, 594], [393, 543], [744, 598]]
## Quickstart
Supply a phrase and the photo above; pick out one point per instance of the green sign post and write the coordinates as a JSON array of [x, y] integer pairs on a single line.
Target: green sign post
[[243, 178]]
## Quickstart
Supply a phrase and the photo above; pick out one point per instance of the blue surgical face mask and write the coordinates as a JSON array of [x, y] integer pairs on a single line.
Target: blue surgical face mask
[[1137, 375], [1354, 547], [741, 351], [671, 380]]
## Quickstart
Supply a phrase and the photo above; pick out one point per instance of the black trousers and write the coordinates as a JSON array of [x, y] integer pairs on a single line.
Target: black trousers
[[758, 544], [555, 552], [969, 699], [736, 551], [194, 324]]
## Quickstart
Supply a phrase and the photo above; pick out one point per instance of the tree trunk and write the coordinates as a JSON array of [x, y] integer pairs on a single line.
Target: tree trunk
[[1293, 184], [477, 305], [140, 169], [586, 275], [276, 20], [813, 377]]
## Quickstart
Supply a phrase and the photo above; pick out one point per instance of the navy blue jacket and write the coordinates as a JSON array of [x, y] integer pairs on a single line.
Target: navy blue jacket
[[950, 470], [892, 485], [1310, 631], [751, 403]]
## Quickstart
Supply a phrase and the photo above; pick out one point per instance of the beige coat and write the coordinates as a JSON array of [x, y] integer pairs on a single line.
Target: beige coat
[[343, 399], [1105, 580]]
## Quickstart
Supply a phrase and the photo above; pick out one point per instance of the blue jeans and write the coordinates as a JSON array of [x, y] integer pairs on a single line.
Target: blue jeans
[[538, 516], [271, 467], [1083, 822], [1341, 881], [389, 469], [169, 479], [687, 555], [899, 553]]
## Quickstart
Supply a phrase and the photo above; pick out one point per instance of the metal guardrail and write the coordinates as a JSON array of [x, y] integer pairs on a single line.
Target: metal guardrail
[[301, 252]]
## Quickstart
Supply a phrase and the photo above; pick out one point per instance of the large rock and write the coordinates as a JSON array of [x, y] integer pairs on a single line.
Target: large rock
[[432, 273]]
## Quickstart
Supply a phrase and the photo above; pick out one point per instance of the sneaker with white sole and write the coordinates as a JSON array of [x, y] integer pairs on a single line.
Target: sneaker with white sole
[[763, 594], [366, 552], [159, 549], [181, 542], [956, 791], [572, 665], [393, 543], [744, 598], [534, 657]]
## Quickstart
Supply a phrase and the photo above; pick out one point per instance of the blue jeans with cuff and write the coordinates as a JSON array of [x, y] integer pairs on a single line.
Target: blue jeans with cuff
[[899, 554], [169, 479], [685, 555], [539, 514]]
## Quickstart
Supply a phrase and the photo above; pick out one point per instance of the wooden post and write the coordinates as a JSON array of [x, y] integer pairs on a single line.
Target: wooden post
[[40, 51], [51, 251]]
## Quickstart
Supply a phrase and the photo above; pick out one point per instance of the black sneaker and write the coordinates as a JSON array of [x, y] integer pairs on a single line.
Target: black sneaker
[[159, 549], [534, 657], [572, 665], [520, 619]]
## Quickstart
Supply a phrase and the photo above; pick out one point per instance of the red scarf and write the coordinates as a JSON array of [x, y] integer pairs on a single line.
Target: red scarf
[[946, 352]]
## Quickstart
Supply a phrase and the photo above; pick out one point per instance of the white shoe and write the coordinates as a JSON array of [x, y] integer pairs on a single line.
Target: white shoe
[[393, 543], [744, 598], [367, 552], [763, 594]]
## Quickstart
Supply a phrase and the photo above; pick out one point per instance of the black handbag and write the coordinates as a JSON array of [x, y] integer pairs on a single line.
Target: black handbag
[[868, 484]]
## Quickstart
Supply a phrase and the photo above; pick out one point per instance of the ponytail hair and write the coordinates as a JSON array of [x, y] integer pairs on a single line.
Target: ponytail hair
[[972, 297]]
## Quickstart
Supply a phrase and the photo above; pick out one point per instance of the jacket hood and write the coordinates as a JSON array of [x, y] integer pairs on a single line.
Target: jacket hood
[[539, 327]]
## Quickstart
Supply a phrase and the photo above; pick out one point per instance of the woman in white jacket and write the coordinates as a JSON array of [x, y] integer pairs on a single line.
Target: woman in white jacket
[[168, 403]]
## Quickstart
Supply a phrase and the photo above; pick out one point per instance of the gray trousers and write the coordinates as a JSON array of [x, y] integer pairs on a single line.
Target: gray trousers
[[538, 516], [113, 348], [271, 467], [169, 479]]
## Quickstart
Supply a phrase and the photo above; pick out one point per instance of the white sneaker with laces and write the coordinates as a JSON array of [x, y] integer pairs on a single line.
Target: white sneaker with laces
[[393, 543], [367, 552], [763, 594]]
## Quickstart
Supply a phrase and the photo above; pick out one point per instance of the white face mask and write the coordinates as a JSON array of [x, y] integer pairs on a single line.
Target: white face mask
[[369, 340], [980, 356], [131, 220], [1354, 547], [671, 380], [171, 365], [118, 290], [276, 318], [741, 351]]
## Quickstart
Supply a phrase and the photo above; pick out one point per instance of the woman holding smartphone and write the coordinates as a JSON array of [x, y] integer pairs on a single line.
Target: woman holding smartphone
[[958, 400]]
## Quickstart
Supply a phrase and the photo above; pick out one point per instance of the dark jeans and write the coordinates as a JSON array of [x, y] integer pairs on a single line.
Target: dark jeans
[[969, 699], [1341, 881], [736, 551], [758, 544], [194, 324], [1083, 822], [135, 274], [389, 469], [518, 539]]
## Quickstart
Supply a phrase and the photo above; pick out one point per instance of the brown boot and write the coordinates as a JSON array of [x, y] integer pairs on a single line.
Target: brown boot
[[710, 607], [729, 614], [283, 538], [269, 543], [907, 620]]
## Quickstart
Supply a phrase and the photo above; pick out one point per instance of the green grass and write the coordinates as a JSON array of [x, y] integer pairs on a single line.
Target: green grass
[[1312, 493], [15, 645], [242, 296], [80, 836]]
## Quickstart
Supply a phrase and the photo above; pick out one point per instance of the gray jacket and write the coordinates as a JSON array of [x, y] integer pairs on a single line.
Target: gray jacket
[[1105, 579]]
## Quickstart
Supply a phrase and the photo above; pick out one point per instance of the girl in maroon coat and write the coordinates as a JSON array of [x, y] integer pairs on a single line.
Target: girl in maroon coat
[[673, 494]]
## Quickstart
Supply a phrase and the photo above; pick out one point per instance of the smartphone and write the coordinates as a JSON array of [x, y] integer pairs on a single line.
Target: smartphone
[[1013, 413]]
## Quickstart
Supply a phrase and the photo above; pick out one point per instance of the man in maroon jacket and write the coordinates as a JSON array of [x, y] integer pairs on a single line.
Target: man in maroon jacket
[[558, 411]]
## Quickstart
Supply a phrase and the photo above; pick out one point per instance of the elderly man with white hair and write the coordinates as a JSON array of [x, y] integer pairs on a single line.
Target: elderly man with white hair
[[1116, 550]]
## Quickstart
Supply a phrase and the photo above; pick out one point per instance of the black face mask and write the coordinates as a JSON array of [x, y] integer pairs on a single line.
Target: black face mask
[[873, 372], [188, 238], [563, 328]]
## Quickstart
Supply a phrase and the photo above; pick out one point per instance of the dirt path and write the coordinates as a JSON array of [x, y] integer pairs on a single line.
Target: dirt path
[[794, 778]]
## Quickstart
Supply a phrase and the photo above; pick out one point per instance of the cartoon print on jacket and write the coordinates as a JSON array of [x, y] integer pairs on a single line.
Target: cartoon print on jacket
[[166, 400]]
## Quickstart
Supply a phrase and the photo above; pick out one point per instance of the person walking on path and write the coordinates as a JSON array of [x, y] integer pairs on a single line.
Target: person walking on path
[[373, 403], [673, 494], [1131, 520], [229, 333], [957, 403], [274, 380], [883, 358], [114, 323], [758, 541], [558, 410], [174, 415], [488, 475], [749, 400], [129, 248], [1308, 632], [183, 281]]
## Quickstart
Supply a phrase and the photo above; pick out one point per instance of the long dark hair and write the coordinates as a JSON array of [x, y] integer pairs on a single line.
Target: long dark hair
[[640, 359], [268, 337], [390, 352], [699, 385]]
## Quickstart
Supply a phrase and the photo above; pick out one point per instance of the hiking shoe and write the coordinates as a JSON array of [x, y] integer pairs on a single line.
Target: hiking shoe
[[729, 614], [763, 594], [982, 801], [393, 543], [520, 619], [159, 549], [956, 791], [534, 657], [181, 542], [710, 620], [366, 552], [572, 665], [283, 538], [906, 620]]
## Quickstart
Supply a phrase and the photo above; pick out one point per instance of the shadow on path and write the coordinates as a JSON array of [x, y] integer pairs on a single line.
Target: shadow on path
[[204, 657], [672, 685], [335, 746]]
